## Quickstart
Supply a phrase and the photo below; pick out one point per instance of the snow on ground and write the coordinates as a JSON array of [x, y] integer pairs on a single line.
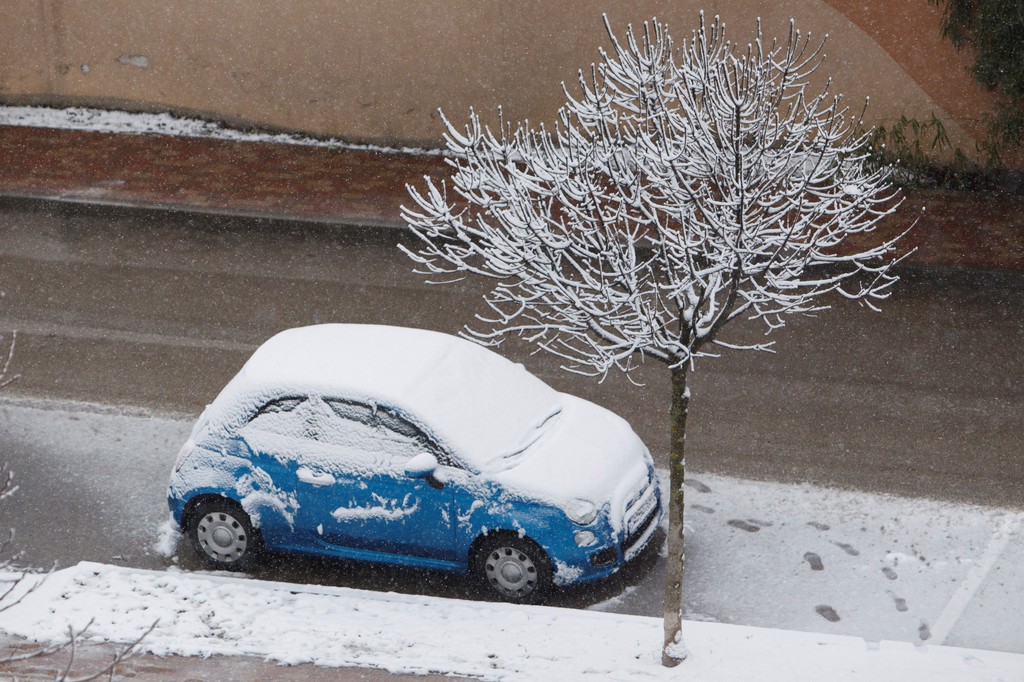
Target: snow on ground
[[203, 615], [819, 563], [876, 566], [107, 121]]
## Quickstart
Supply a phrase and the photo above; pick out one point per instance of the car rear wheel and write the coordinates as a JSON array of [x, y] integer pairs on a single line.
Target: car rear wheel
[[223, 536], [515, 569]]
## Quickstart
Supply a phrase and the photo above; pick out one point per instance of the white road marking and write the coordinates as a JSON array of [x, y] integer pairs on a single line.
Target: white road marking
[[975, 579]]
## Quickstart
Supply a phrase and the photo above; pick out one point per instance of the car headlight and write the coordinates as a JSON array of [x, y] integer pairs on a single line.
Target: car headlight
[[585, 538], [581, 512]]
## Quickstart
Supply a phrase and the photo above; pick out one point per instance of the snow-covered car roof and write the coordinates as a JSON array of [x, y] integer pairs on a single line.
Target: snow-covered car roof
[[476, 401]]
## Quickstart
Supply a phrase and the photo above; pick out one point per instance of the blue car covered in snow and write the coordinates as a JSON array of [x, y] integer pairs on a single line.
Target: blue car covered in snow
[[411, 447]]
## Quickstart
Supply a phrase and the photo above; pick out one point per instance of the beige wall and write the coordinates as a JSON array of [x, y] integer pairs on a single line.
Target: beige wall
[[378, 71]]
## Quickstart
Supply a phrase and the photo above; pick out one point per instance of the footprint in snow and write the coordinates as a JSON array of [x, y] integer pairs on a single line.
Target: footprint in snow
[[827, 612], [973, 661], [751, 526], [924, 632], [696, 485], [901, 603], [702, 508], [818, 525], [889, 573], [815, 561], [849, 549]]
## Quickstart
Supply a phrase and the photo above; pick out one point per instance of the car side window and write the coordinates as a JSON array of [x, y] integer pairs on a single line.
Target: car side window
[[373, 430], [357, 412], [283, 417]]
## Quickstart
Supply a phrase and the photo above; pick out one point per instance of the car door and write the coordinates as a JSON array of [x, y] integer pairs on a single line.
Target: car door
[[276, 439], [374, 505]]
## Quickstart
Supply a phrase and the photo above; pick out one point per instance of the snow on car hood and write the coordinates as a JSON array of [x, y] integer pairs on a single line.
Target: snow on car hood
[[585, 452]]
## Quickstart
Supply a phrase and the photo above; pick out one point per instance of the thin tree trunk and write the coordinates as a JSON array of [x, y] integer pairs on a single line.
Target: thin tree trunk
[[674, 651]]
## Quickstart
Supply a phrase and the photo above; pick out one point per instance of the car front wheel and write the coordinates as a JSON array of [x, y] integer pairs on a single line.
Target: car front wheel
[[515, 569], [223, 536]]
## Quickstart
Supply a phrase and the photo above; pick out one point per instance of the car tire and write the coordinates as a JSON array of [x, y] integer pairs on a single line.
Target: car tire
[[514, 569], [223, 536]]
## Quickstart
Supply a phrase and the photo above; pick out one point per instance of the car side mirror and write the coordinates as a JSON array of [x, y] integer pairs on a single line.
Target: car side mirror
[[424, 466]]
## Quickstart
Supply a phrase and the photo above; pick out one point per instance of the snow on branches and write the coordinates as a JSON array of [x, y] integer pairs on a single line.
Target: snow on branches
[[680, 189]]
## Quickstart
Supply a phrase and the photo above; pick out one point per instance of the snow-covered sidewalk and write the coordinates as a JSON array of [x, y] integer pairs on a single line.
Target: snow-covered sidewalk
[[203, 615], [805, 583], [802, 557]]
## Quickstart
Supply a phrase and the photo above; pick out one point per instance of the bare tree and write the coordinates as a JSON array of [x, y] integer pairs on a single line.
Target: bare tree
[[680, 189]]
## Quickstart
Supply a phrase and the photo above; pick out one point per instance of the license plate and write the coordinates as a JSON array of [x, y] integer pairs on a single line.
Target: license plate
[[641, 512]]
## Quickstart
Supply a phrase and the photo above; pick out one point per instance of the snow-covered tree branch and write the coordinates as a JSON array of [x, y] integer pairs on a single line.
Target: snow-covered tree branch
[[682, 187]]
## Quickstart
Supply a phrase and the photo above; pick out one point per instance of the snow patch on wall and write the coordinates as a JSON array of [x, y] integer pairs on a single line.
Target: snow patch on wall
[[103, 121], [139, 61]]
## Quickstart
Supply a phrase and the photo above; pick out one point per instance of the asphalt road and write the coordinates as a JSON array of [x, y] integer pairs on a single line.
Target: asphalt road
[[145, 316]]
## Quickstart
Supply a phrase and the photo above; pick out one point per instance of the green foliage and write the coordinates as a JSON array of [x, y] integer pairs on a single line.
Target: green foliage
[[995, 31], [912, 147]]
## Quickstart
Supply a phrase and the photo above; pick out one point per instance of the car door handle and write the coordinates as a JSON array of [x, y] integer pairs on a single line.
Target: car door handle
[[315, 477]]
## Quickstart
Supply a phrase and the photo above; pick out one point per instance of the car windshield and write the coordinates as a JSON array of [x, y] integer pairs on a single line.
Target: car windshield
[[489, 409], [515, 455]]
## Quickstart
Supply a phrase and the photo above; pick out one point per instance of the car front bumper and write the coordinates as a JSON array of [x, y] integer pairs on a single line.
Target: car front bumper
[[600, 561]]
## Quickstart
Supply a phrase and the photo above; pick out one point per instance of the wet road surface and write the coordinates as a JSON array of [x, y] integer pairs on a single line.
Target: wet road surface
[[141, 310]]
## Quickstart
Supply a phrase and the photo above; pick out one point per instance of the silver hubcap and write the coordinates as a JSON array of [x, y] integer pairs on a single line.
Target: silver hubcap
[[222, 537], [511, 572]]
